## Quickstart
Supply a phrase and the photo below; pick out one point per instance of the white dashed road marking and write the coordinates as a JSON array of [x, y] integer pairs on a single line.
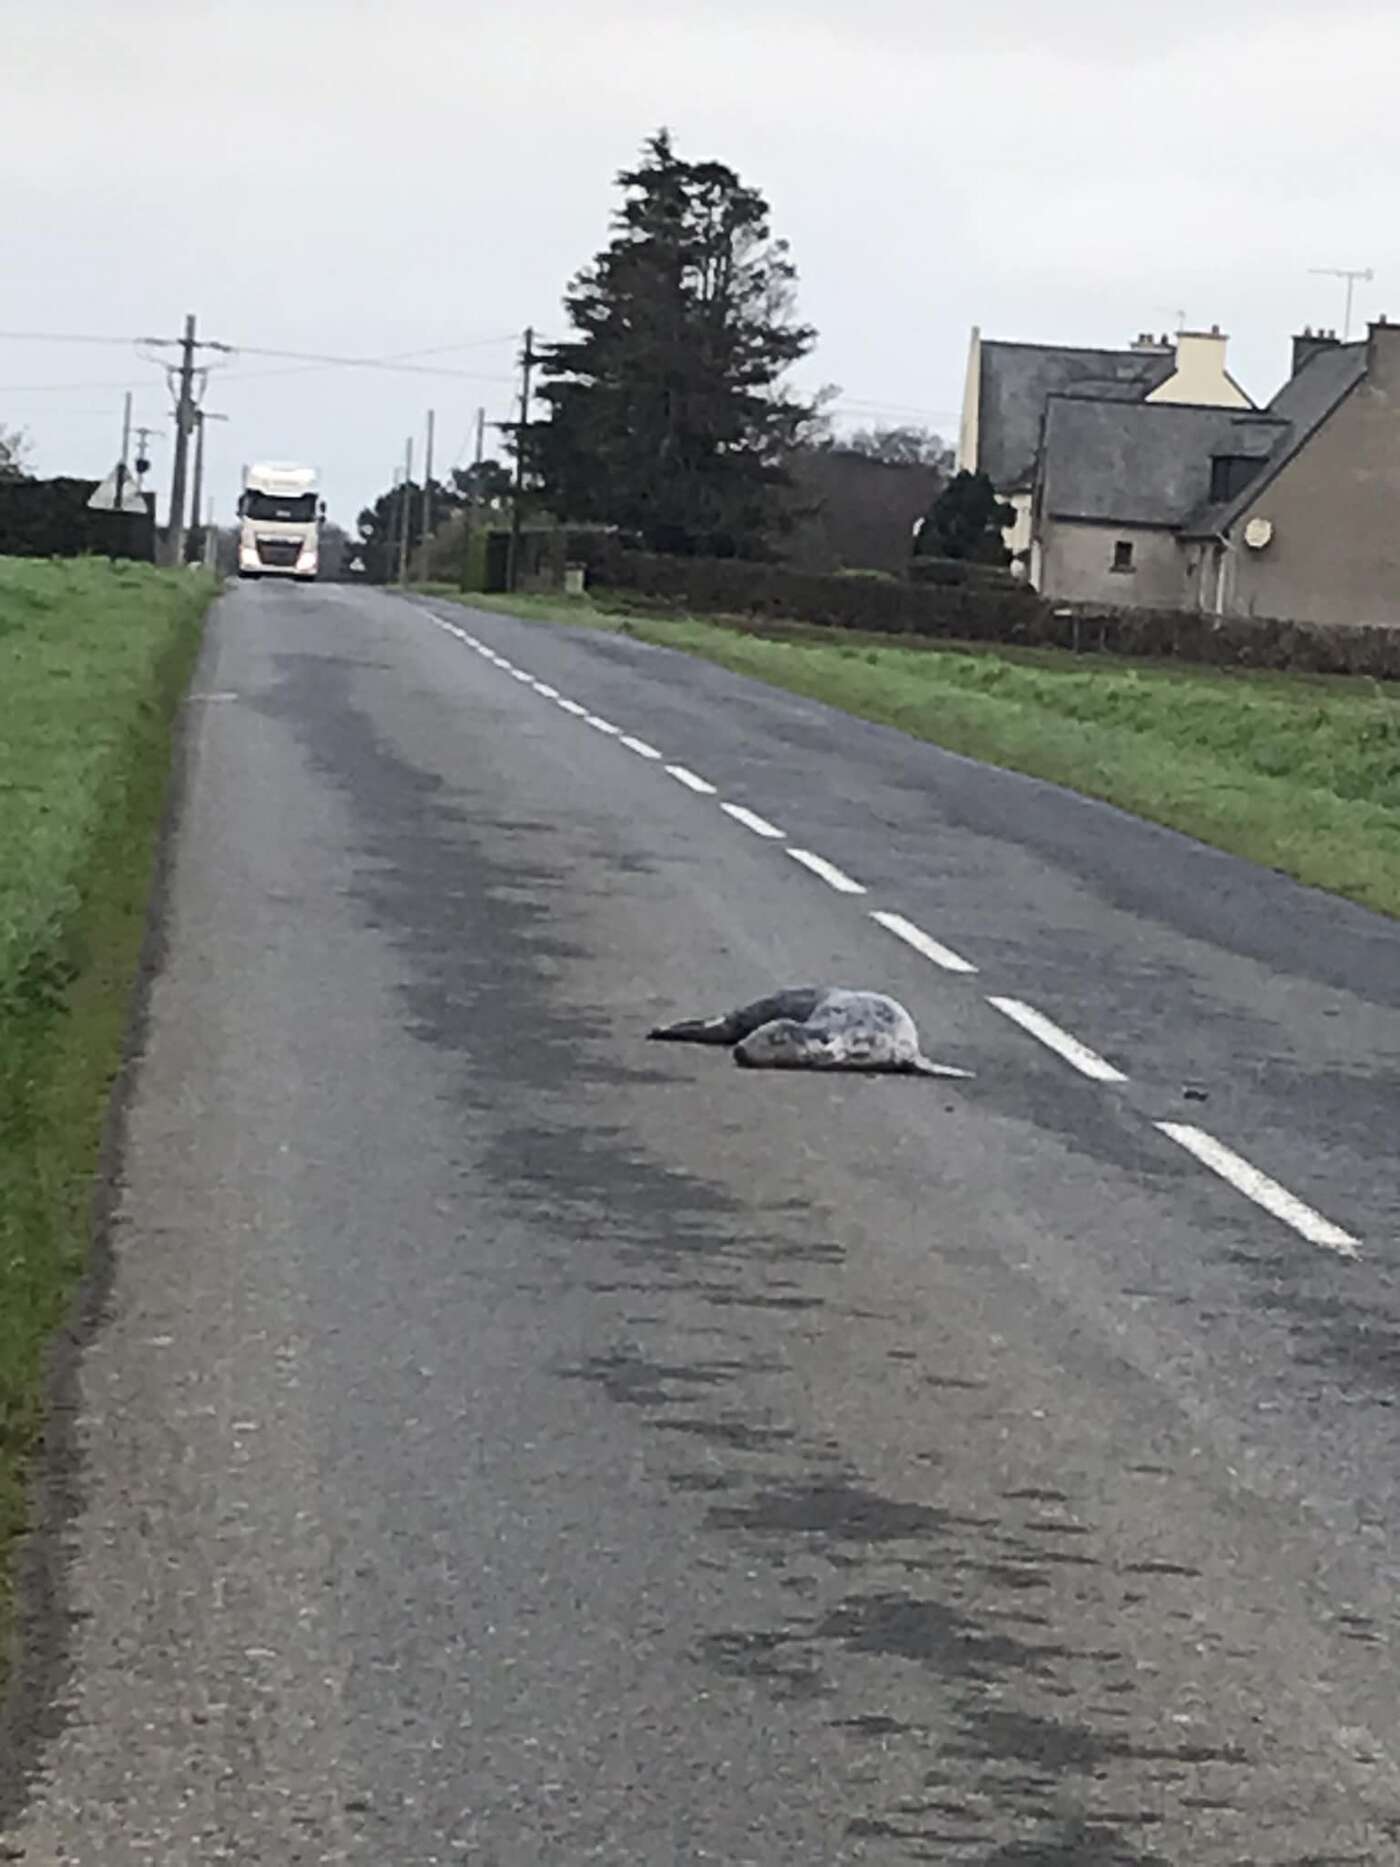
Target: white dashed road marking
[[1087, 1062], [691, 780], [830, 874], [751, 820], [1260, 1188], [1213, 1154], [921, 942]]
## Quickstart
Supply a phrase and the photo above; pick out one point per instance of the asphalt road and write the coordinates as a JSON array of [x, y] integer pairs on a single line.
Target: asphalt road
[[510, 1442]]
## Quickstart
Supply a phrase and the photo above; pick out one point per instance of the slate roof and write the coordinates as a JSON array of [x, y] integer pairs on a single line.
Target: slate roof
[[1017, 379], [1141, 463], [1303, 404]]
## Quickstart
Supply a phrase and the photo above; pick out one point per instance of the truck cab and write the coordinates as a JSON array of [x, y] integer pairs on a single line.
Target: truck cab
[[279, 522]]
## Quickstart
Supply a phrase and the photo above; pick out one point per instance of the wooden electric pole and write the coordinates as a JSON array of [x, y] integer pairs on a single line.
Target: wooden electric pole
[[527, 364], [406, 507], [427, 502], [186, 411]]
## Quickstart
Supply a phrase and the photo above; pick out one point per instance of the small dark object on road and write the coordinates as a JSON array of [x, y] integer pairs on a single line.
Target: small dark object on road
[[813, 1027]]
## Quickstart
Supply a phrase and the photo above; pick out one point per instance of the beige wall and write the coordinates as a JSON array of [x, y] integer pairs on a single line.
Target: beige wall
[[971, 409], [1200, 375], [1076, 566], [1335, 510]]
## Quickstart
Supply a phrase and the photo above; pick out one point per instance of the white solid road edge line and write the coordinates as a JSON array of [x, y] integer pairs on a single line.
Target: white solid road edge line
[[828, 871], [1260, 1188], [639, 746], [921, 942], [1087, 1062], [691, 780], [751, 820]]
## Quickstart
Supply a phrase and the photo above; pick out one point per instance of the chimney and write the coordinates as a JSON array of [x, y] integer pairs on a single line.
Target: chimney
[[1307, 345], [1383, 355]]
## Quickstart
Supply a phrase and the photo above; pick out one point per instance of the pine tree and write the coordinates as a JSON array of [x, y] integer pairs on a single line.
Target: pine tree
[[966, 520], [667, 414]]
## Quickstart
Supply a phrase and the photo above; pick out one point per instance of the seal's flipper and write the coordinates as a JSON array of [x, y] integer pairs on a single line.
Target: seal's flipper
[[697, 1031], [921, 1066], [797, 1005]]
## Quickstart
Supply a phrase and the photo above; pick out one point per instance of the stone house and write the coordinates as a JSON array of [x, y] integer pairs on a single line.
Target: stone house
[[1009, 385], [1286, 511], [1116, 484], [1313, 532]]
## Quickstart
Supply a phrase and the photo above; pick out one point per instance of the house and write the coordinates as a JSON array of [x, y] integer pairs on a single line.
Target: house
[[1009, 386], [1285, 511], [1118, 481], [1312, 532]]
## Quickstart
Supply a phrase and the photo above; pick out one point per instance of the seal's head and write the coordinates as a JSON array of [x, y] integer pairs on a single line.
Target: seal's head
[[781, 1044]]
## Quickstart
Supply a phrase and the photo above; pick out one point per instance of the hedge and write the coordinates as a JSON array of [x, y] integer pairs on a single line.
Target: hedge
[[979, 611], [51, 519]]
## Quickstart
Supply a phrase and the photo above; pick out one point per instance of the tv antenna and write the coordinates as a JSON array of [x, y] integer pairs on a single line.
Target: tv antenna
[[1351, 275]]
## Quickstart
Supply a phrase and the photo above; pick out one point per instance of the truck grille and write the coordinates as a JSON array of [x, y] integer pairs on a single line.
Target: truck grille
[[279, 553]]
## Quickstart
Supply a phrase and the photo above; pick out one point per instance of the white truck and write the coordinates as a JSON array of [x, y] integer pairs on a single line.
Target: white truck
[[279, 521]]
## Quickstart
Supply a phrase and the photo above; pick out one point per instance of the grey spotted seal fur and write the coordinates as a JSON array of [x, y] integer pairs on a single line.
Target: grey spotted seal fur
[[812, 1027]]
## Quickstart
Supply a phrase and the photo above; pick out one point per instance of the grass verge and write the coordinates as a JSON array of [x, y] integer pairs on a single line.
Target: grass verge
[[1300, 773], [94, 659]]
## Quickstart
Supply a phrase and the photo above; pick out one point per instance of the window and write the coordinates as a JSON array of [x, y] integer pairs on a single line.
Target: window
[[290, 508], [1123, 554], [1230, 474]]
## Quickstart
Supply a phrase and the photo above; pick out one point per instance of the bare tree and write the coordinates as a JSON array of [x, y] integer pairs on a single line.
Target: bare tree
[[14, 453], [909, 446]]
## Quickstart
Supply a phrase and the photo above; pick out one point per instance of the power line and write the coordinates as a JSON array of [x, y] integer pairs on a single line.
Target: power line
[[397, 356], [59, 388], [855, 407], [340, 362], [60, 337], [394, 362]]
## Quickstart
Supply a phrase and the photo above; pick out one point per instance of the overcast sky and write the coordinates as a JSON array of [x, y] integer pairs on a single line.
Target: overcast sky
[[373, 179]]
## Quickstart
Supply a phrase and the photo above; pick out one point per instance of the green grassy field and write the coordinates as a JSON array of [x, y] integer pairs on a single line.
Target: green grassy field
[[93, 661], [1300, 773]]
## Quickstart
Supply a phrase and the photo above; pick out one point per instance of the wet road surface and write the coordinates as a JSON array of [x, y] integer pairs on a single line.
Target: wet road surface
[[510, 1442]]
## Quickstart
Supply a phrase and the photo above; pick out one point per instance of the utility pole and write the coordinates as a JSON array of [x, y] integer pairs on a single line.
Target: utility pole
[[1351, 275], [184, 422], [475, 501], [427, 501], [197, 495], [182, 382], [126, 449], [527, 364], [407, 508], [391, 525]]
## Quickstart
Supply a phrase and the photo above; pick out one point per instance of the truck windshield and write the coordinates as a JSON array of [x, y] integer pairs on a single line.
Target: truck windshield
[[291, 508]]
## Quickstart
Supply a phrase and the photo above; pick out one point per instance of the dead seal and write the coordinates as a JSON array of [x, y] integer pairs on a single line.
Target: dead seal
[[813, 1027]]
